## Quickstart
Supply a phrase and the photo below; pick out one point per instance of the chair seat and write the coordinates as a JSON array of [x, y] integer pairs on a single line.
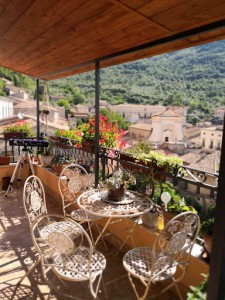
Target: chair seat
[[81, 216], [138, 263], [64, 227], [75, 266]]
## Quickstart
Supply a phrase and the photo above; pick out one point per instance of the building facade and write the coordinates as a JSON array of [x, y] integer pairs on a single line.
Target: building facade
[[6, 108], [168, 127], [211, 138]]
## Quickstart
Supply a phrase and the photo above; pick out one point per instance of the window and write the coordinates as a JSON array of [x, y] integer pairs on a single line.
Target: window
[[166, 139], [211, 145]]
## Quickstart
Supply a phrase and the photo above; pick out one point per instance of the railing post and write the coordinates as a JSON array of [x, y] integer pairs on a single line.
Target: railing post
[[97, 98], [38, 108]]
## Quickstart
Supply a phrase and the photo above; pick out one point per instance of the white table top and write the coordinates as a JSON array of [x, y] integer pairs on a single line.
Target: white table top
[[132, 205]]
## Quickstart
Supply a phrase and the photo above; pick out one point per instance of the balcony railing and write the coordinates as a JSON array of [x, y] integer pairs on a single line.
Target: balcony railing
[[198, 185]]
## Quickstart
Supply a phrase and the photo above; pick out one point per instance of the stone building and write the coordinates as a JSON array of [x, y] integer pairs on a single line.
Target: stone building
[[6, 108], [167, 127], [211, 138]]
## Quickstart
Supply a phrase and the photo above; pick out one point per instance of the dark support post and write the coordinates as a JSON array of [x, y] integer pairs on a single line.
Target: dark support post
[[216, 287], [97, 98], [38, 108]]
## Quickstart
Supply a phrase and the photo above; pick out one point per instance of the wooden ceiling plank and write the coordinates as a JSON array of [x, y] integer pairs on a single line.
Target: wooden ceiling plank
[[183, 15], [98, 34], [10, 13], [66, 26], [113, 41], [30, 25], [134, 4]]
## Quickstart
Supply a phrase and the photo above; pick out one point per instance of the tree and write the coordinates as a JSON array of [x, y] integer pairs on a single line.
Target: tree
[[65, 104], [115, 117], [2, 84]]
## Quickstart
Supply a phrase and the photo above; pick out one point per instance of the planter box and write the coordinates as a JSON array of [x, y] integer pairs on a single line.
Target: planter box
[[12, 135], [5, 160], [88, 145]]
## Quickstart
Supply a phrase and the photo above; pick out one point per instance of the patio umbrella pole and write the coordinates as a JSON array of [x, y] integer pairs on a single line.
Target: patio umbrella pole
[[97, 97]]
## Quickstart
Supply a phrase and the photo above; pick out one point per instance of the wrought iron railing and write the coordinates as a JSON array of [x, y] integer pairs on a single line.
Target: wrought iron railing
[[200, 186]]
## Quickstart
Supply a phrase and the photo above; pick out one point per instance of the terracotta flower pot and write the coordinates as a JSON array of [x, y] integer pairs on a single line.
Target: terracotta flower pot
[[116, 194], [208, 242], [45, 160]]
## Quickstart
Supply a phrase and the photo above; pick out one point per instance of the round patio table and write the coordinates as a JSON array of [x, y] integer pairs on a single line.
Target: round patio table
[[132, 205]]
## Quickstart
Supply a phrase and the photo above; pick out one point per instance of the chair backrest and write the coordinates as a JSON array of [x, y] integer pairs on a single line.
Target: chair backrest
[[68, 250], [175, 242], [34, 199], [73, 180]]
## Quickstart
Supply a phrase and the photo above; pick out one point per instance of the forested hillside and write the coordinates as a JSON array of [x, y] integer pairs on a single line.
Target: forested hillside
[[194, 77]]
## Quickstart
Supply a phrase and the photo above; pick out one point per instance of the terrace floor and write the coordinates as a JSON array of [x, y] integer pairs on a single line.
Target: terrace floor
[[17, 254]]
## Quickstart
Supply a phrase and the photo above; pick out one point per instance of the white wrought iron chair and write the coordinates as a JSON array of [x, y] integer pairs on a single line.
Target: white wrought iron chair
[[74, 180], [68, 255], [35, 206], [170, 253]]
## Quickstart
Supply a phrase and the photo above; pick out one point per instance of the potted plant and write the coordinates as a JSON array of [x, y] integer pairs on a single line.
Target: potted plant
[[159, 164], [207, 228], [45, 156], [176, 204], [109, 135], [58, 162], [116, 184], [75, 136], [20, 129]]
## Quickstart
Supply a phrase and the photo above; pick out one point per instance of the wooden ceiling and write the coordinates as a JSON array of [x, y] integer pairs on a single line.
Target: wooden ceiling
[[48, 39]]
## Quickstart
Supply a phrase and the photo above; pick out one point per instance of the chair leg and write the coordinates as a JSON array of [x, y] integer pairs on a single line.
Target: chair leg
[[178, 291], [31, 269]]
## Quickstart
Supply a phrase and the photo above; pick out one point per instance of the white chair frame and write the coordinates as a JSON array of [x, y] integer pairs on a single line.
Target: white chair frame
[[171, 251], [74, 180], [70, 254]]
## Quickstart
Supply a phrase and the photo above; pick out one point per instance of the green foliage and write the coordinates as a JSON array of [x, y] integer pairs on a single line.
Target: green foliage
[[65, 104], [19, 126], [76, 96], [18, 79], [177, 204], [2, 84], [59, 160], [75, 135], [170, 163], [114, 117], [208, 221], [140, 147], [199, 292], [193, 75]]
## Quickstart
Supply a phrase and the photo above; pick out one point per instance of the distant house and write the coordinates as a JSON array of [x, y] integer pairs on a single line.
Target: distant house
[[16, 92], [6, 107], [192, 132], [136, 113], [211, 138], [219, 114], [140, 130]]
